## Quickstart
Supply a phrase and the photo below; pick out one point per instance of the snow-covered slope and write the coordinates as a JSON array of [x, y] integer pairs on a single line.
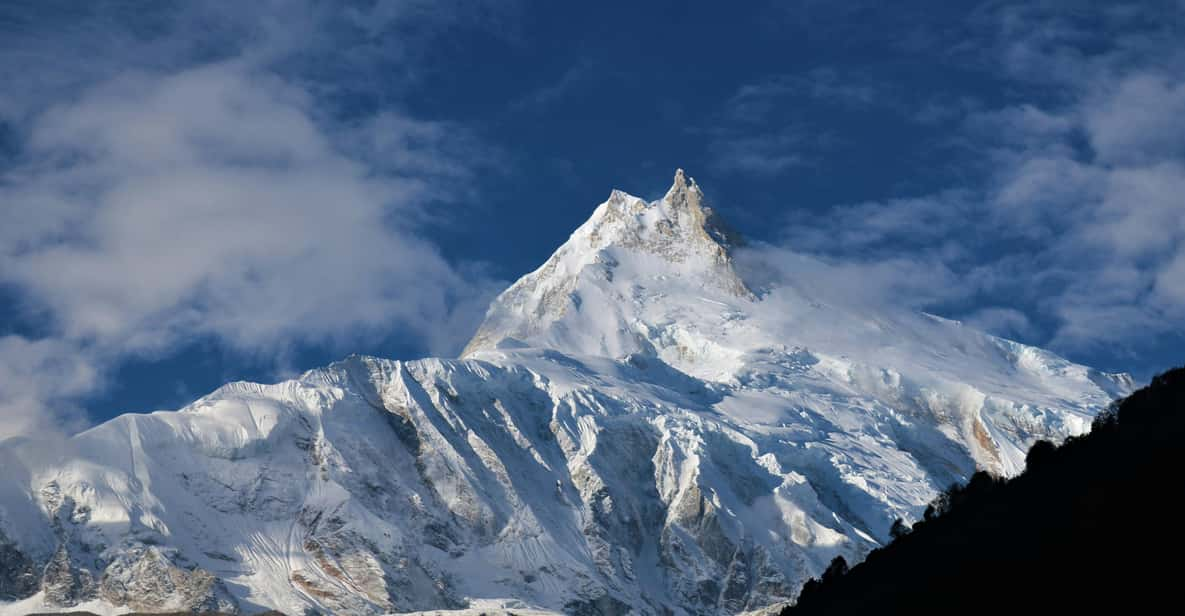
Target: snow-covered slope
[[638, 426]]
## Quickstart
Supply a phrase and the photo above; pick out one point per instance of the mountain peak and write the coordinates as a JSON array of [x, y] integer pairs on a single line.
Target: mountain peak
[[662, 432], [682, 184], [681, 213], [685, 194], [627, 246]]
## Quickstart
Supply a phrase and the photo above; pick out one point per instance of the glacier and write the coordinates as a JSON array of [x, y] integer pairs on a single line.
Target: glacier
[[649, 423]]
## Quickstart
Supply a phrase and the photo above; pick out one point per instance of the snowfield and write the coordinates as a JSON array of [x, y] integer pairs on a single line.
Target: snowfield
[[649, 423]]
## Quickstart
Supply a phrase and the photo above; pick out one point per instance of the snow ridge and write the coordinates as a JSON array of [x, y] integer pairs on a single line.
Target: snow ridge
[[632, 430], [678, 235]]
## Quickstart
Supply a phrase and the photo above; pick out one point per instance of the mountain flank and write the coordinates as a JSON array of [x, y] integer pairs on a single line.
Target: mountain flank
[[1090, 527], [650, 423]]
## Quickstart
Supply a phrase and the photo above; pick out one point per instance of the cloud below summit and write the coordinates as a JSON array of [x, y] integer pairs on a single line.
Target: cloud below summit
[[1068, 230]]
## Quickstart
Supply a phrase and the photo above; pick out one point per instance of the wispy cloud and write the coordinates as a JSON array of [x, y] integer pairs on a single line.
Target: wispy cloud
[[563, 86], [1073, 211], [765, 154], [760, 130], [214, 196], [41, 382], [756, 101]]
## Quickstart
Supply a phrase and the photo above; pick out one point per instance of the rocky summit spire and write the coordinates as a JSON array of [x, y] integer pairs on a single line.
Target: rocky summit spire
[[680, 181], [628, 248], [685, 195]]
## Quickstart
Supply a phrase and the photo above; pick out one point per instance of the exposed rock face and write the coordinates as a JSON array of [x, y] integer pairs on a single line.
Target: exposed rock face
[[142, 578], [679, 229], [18, 574], [64, 583], [633, 430]]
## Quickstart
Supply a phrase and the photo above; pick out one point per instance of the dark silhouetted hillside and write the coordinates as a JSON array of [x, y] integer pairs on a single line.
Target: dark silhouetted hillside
[[1091, 526]]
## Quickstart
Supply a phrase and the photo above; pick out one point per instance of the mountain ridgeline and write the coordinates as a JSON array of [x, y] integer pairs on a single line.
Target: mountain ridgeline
[[649, 423], [1088, 528]]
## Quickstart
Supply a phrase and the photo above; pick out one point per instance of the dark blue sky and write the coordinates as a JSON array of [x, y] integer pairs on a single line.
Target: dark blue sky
[[216, 193]]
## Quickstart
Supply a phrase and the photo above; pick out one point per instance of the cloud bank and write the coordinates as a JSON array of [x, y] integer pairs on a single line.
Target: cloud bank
[[217, 199]]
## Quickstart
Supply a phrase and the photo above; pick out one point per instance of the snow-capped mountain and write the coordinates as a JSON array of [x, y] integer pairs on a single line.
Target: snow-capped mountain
[[645, 424]]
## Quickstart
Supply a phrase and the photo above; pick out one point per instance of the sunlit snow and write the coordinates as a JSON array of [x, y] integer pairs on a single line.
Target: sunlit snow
[[649, 420]]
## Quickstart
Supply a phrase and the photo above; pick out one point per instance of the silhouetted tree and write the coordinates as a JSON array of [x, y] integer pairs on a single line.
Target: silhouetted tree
[[838, 567], [1039, 454], [899, 529], [1095, 508]]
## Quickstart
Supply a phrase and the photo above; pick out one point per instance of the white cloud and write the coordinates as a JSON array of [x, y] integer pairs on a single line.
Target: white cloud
[[1078, 219], [1169, 287], [218, 200], [1008, 322], [208, 202], [882, 282], [1139, 120], [39, 381]]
